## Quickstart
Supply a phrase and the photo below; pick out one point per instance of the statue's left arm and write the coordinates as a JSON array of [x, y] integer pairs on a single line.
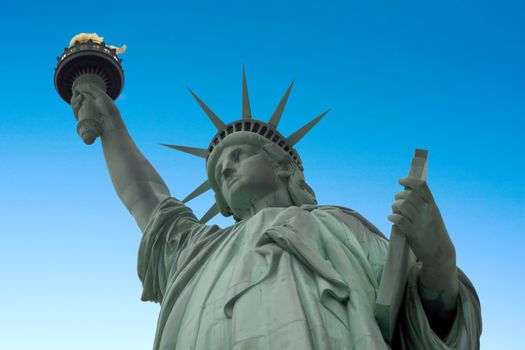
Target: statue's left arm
[[417, 216]]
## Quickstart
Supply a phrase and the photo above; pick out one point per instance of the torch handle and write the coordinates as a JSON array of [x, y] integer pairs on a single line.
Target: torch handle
[[89, 126]]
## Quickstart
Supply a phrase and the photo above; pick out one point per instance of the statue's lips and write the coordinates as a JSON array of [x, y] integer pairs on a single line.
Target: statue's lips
[[233, 180]]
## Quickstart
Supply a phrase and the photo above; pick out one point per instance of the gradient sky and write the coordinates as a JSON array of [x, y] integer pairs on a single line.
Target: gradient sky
[[447, 76]]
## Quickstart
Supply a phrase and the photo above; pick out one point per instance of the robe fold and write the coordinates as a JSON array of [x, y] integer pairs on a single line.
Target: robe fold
[[287, 278]]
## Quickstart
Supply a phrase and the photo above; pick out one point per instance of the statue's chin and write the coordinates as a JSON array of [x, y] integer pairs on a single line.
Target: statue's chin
[[239, 202]]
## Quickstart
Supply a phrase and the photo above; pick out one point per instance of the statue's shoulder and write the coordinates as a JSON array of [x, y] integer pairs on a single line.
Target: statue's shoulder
[[349, 216]]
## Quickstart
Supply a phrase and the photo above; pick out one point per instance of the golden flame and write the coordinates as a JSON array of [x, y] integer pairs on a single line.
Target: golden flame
[[83, 37]]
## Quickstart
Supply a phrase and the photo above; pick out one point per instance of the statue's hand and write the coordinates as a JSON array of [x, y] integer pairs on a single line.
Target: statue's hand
[[417, 216], [88, 99]]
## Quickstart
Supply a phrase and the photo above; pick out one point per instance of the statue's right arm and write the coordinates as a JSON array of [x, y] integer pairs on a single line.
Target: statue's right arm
[[136, 182]]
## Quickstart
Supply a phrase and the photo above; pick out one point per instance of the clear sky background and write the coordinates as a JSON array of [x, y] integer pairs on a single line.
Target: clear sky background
[[447, 76]]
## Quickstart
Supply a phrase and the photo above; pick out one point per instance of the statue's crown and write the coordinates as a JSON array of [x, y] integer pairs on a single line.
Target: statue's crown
[[266, 131]]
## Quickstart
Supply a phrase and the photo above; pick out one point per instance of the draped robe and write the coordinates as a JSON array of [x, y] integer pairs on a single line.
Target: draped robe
[[287, 278]]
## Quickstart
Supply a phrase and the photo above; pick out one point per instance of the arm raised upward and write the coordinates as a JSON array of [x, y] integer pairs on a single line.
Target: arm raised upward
[[136, 182]]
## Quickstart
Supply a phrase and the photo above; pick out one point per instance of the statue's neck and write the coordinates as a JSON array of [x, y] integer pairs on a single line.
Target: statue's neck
[[277, 199]]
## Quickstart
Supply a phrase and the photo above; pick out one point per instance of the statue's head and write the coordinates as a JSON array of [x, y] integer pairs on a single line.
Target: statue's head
[[246, 167], [248, 160]]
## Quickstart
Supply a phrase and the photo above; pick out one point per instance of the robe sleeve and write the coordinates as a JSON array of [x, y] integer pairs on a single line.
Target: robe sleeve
[[372, 241], [171, 228], [414, 329]]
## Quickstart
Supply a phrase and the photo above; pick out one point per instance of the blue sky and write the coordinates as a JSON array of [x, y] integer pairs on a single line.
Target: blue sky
[[447, 76]]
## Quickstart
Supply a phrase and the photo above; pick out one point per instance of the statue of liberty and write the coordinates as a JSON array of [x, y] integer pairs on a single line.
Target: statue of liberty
[[290, 273]]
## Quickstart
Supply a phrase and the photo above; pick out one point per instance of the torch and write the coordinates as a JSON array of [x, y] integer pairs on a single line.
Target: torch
[[88, 60]]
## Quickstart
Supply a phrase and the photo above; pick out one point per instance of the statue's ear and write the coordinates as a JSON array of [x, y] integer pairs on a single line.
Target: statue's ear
[[285, 168], [282, 162]]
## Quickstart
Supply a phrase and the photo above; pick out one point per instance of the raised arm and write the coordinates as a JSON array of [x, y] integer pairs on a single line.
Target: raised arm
[[136, 182]]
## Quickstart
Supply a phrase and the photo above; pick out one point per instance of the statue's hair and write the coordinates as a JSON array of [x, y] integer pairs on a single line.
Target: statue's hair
[[300, 192]]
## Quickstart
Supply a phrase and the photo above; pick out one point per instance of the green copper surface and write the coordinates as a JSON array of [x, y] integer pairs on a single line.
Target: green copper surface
[[290, 274]]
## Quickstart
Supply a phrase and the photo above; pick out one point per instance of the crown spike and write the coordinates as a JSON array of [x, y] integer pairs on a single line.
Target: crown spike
[[214, 210], [246, 110], [219, 124], [205, 186], [299, 134], [199, 152], [276, 116]]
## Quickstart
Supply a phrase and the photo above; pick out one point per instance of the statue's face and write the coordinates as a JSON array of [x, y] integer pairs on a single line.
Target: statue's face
[[245, 174]]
